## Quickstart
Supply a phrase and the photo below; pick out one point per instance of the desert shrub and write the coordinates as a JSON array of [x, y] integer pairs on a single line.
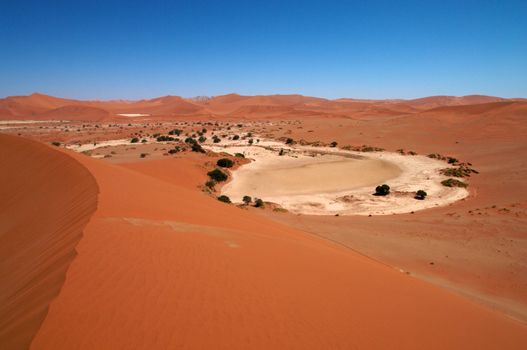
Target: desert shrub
[[289, 141], [134, 140], [382, 190], [333, 144], [174, 150], [164, 138], [56, 143], [217, 175], [258, 203], [281, 153], [247, 200], [235, 137], [196, 147], [216, 139], [251, 141], [225, 163], [239, 155], [202, 139], [210, 184], [176, 132], [420, 195], [452, 160], [462, 171], [143, 155], [144, 141], [412, 153], [223, 198], [190, 140], [453, 183]]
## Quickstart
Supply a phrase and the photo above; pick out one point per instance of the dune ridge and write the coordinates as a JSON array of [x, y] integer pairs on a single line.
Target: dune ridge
[[47, 199], [44, 107]]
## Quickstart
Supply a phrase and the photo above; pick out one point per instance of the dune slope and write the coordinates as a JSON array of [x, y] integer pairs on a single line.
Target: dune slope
[[162, 266], [46, 200]]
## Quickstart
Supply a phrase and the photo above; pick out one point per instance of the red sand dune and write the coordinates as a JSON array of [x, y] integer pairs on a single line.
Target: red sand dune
[[233, 105], [164, 266], [75, 112], [47, 199]]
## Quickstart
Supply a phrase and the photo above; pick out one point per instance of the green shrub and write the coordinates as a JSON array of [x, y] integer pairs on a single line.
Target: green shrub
[[239, 155], [235, 137], [202, 139], [224, 199], [217, 175], [382, 190], [420, 195], [134, 140], [225, 163], [164, 138]]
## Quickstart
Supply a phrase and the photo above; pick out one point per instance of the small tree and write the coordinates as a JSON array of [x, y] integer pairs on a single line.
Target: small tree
[[224, 199], [382, 190], [247, 200], [217, 175], [258, 203], [420, 195], [225, 163]]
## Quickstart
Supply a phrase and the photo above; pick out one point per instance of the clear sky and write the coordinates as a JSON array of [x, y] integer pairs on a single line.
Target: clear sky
[[365, 49]]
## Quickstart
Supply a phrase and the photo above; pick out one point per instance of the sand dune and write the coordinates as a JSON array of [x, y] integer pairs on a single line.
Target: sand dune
[[162, 266], [47, 199], [232, 105]]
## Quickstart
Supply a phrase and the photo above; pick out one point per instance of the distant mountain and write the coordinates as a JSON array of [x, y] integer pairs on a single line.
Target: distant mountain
[[40, 106]]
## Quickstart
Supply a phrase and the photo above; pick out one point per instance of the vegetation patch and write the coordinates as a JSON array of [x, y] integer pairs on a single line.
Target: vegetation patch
[[217, 175], [224, 199], [454, 183], [382, 190]]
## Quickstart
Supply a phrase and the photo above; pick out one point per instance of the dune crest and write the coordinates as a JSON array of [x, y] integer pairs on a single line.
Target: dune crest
[[47, 199]]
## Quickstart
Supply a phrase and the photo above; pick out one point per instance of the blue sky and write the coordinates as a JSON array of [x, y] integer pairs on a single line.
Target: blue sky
[[364, 49]]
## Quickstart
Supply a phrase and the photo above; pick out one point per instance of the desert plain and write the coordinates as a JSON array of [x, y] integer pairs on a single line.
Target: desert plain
[[116, 232]]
